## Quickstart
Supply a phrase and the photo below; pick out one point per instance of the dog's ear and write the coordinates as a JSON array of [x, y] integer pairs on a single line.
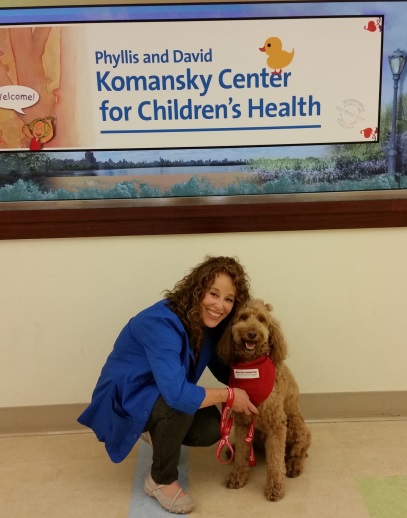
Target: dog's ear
[[268, 306], [278, 345], [224, 349]]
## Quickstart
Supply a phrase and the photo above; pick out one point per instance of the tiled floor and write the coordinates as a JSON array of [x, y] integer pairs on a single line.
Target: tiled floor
[[354, 470]]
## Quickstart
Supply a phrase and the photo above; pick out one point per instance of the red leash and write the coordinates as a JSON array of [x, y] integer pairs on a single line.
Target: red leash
[[226, 424], [249, 439], [225, 429]]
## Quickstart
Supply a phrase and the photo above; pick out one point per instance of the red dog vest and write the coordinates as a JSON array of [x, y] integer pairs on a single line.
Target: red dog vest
[[256, 377]]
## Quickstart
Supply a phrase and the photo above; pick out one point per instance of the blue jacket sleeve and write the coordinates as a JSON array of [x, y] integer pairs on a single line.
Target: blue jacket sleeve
[[170, 358]]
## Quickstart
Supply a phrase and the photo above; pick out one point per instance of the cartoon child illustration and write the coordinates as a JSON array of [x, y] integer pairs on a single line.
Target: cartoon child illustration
[[39, 131]]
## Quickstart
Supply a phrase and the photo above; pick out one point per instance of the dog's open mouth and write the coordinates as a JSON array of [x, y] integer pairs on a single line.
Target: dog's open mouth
[[250, 346]]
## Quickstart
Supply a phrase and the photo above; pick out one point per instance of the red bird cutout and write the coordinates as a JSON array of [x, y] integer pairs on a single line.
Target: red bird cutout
[[373, 26], [369, 133]]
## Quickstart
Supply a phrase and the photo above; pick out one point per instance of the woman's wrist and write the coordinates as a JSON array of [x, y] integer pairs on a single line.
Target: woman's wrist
[[225, 394], [231, 397], [214, 396]]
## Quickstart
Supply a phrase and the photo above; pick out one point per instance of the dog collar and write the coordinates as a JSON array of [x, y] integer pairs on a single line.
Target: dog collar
[[256, 377]]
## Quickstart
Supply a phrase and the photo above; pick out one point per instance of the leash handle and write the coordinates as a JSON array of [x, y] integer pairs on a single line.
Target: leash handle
[[226, 427]]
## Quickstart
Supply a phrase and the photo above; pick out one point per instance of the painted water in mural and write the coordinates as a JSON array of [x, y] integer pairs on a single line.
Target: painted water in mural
[[380, 163]]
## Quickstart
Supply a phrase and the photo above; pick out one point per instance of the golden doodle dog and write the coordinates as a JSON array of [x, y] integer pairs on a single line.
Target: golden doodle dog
[[279, 428]]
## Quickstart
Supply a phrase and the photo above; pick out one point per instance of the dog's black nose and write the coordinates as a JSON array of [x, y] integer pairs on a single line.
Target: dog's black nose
[[252, 335]]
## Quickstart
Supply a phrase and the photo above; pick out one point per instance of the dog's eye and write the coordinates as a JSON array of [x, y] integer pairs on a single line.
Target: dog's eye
[[261, 319], [243, 317]]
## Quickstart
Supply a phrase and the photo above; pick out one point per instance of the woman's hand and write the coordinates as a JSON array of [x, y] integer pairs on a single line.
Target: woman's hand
[[242, 403]]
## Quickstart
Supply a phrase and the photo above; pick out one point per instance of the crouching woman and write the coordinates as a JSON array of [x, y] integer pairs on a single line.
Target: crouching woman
[[149, 384]]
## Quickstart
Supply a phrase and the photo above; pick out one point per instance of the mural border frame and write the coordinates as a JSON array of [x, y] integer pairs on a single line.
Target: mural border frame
[[215, 214], [257, 213]]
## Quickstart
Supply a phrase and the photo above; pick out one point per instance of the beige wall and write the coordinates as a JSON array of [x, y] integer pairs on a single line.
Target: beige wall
[[341, 297]]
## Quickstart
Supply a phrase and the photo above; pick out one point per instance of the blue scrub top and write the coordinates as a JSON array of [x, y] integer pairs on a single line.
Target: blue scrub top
[[151, 357]]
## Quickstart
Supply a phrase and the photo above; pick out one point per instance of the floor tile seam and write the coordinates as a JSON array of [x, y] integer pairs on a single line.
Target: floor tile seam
[[357, 420], [45, 434], [308, 421]]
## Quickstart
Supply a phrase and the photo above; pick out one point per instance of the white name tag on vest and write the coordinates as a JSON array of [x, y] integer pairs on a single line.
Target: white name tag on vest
[[246, 373]]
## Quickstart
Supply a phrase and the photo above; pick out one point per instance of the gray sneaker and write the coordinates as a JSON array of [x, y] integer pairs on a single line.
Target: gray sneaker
[[178, 504]]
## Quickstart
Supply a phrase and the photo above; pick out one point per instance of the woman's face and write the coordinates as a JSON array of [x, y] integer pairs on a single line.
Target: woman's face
[[218, 300]]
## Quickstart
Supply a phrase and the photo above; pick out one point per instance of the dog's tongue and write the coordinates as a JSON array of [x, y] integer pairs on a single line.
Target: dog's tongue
[[250, 345]]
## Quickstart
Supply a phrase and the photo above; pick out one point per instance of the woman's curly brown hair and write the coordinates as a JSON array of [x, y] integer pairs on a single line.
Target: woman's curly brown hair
[[188, 293]]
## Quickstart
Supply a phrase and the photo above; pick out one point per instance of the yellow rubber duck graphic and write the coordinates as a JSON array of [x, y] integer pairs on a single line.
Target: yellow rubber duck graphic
[[277, 57]]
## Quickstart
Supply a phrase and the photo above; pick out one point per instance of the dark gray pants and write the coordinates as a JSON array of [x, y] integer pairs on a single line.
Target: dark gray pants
[[169, 429]]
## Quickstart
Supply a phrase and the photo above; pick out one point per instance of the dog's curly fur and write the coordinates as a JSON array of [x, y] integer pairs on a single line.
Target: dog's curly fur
[[279, 427]]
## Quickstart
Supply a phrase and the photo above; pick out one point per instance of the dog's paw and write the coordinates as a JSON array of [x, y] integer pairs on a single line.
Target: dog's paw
[[275, 492], [236, 481], [294, 467]]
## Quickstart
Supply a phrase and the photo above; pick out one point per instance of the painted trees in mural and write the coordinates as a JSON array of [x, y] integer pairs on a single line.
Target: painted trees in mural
[[32, 57]]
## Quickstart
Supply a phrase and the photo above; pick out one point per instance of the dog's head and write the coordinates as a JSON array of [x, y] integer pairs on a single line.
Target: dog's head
[[254, 332]]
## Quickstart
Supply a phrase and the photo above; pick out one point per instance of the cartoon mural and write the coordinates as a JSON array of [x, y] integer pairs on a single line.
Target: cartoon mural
[[28, 57], [42, 115], [39, 131]]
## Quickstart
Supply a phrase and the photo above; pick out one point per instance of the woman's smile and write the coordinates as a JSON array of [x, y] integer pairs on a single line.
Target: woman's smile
[[218, 300], [213, 314]]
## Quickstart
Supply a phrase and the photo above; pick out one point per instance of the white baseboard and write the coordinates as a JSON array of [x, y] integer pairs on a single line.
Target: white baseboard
[[354, 405], [315, 407]]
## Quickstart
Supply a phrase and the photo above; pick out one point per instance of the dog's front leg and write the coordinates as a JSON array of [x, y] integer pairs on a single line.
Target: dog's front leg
[[275, 460], [240, 474], [298, 442]]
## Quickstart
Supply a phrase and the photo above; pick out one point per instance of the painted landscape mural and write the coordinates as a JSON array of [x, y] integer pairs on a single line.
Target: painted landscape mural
[[58, 172]]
